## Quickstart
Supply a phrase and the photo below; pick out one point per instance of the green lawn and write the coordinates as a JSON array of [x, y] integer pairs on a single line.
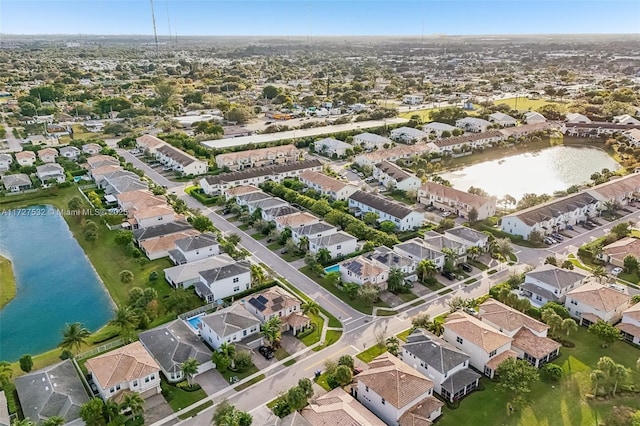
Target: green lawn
[[281, 354], [525, 104], [370, 353], [406, 297], [321, 380], [403, 335], [228, 374], [331, 337], [355, 303], [434, 285], [7, 282], [313, 338], [423, 113], [249, 383], [179, 398], [632, 277], [560, 404]]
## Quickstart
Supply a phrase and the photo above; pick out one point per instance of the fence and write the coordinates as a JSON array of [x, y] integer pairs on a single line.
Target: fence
[[26, 191], [197, 311], [101, 348]]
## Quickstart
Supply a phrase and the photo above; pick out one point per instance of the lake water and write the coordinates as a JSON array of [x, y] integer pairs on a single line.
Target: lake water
[[541, 172], [55, 283]]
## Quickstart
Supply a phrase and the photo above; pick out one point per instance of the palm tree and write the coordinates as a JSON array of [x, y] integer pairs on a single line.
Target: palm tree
[[111, 410], [436, 327], [426, 268], [553, 320], [323, 256], [227, 349], [351, 289], [272, 332], [189, 368], [598, 378], [134, 402], [473, 252], [6, 372], [125, 320], [599, 273], [303, 244], [53, 421], [393, 345], [126, 276], [233, 239], [312, 308], [25, 422], [257, 275], [569, 326], [450, 256], [74, 335]]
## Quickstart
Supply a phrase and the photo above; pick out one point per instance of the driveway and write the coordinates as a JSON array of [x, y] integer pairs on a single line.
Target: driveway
[[211, 381], [151, 173], [156, 408], [291, 343]]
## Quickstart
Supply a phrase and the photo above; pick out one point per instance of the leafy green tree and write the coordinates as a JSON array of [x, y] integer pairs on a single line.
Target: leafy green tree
[[567, 264], [124, 237], [395, 280], [296, 398], [125, 320], [323, 256], [369, 293], [606, 332], [388, 227], [347, 360], [126, 276], [551, 260], [569, 326], [370, 218], [436, 327], [552, 371], [74, 335], [306, 386], [622, 229], [516, 378], [257, 275], [557, 308], [393, 345], [630, 263], [553, 320], [240, 115], [447, 115], [270, 92], [26, 363], [422, 320], [242, 361], [271, 330], [75, 203], [6, 372], [343, 375], [228, 415], [473, 215], [202, 224], [189, 368], [92, 412]]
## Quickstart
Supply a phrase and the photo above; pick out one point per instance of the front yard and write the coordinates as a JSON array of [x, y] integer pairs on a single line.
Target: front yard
[[554, 404]]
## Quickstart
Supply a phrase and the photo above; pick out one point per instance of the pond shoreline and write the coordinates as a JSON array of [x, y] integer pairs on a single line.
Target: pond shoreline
[[8, 288]]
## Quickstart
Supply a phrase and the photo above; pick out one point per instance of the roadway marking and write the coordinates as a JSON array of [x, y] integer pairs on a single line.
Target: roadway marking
[[323, 360]]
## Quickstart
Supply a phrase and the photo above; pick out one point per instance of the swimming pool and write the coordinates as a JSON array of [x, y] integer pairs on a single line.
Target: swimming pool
[[333, 268], [194, 321]]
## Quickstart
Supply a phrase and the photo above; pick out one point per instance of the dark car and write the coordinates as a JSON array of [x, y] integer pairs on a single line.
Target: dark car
[[449, 275], [357, 370], [284, 251], [466, 267], [266, 352]]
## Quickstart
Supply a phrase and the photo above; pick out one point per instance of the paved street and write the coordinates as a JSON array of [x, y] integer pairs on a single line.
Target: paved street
[[14, 143], [150, 172]]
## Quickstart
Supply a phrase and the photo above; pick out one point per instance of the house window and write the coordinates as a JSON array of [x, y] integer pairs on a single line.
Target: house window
[[492, 354], [117, 387], [459, 340], [135, 383], [244, 332], [339, 246], [146, 379], [153, 376], [383, 401], [573, 302], [236, 279], [366, 388], [236, 288], [111, 390]]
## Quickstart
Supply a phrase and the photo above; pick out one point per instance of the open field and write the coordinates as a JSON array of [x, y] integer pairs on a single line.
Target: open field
[[7, 282], [554, 404], [526, 104]]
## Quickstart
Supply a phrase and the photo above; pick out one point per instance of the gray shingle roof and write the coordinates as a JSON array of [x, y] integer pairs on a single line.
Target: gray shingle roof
[[417, 248], [467, 234], [52, 391], [535, 289], [222, 272], [228, 321], [280, 211], [333, 239], [314, 228], [396, 210], [160, 230], [459, 380], [554, 208], [262, 171], [196, 242], [176, 155], [435, 352], [173, 343], [19, 179], [555, 277]]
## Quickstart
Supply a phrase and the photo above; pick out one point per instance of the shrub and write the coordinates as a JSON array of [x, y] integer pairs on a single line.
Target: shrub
[[281, 408], [243, 361], [66, 354]]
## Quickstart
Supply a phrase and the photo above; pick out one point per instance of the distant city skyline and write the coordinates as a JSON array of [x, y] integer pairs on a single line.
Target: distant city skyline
[[320, 18]]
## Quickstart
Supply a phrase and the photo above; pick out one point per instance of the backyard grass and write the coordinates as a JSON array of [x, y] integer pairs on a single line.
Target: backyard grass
[[526, 104], [554, 404], [7, 282], [404, 334], [249, 383], [313, 338], [228, 374], [321, 380], [179, 398], [370, 353], [281, 354], [356, 303]]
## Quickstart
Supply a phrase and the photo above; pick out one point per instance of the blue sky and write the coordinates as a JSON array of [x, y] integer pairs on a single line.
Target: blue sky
[[315, 17]]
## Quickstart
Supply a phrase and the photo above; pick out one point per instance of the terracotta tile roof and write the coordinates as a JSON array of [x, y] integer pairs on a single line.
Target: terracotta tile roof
[[152, 211], [24, 155], [395, 381], [144, 201], [327, 183], [106, 169], [47, 151], [453, 194], [258, 154], [536, 346], [633, 312], [134, 195], [508, 318], [477, 332], [599, 297], [495, 362], [621, 248], [338, 408], [122, 365], [297, 319], [591, 317], [419, 414], [241, 189], [166, 242], [631, 329], [149, 141], [296, 220]]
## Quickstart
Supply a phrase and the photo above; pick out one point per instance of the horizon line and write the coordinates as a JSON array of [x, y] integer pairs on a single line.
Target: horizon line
[[318, 35]]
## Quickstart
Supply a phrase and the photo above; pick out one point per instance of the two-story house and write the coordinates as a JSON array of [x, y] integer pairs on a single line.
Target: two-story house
[[615, 252], [391, 176], [25, 158], [129, 368], [459, 202], [468, 237], [276, 302], [270, 215], [332, 147], [630, 325], [502, 119], [397, 393], [473, 124], [486, 346], [549, 283], [371, 141], [593, 302], [339, 244], [50, 171], [361, 270], [91, 148], [151, 216], [403, 217], [185, 275], [326, 185], [228, 325], [194, 248], [435, 128], [258, 157], [224, 281], [48, 155], [295, 220], [442, 363], [408, 135], [70, 152], [442, 242], [315, 230], [180, 161], [416, 249]]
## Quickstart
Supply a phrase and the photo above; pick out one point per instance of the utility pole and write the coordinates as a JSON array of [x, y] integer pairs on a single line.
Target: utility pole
[[155, 33]]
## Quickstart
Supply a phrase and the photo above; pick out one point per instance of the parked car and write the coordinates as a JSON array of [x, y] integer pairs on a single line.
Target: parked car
[[446, 214], [284, 251], [357, 370], [449, 275], [616, 271], [266, 352], [548, 241], [466, 267]]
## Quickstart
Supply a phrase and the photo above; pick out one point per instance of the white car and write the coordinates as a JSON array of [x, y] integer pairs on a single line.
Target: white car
[[446, 214], [616, 271]]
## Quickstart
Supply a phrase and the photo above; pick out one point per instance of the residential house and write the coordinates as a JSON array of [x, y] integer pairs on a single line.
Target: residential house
[[246, 199], [630, 325], [615, 252], [185, 275], [129, 368], [406, 152], [228, 325], [138, 199], [326, 185], [295, 220], [5, 162], [597, 129], [435, 128], [459, 202], [473, 124], [149, 143], [549, 283], [592, 302], [53, 391], [626, 119], [391, 176], [486, 346], [413, 99], [360, 270], [25, 158], [173, 343], [533, 117], [621, 190], [235, 132], [468, 237], [266, 204], [502, 119], [276, 302], [16, 183], [151, 216], [70, 152], [112, 170], [315, 230], [48, 172], [153, 232], [371, 141], [529, 336], [273, 213], [396, 393], [224, 281], [194, 248], [120, 184], [336, 408], [332, 147], [101, 160], [385, 257], [218, 184], [442, 363], [5, 418], [633, 136], [403, 217], [338, 244], [527, 129], [408, 135], [417, 249], [180, 161], [240, 190], [552, 216], [442, 243], [155, 248], [574, 117], [468, 141], [258, 157], [91, 148], [48, 155]]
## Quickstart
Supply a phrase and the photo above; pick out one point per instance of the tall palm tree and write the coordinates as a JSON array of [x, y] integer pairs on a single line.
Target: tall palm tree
[[227, 349], [569, 326], [53, 421], [6, 372], [450, 256], [436, 327], [323, 256], [257, 275], [189, 368], [111, 410], [271, 331], [74, 335], [599, 273], [473, 252], [303, 244], [312, 308], [134, 402], [125, 320], [126, 276], [426, 268]]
